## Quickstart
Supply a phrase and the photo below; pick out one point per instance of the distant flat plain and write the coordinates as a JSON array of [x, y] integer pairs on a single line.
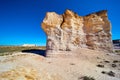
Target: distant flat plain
[[5, 50]]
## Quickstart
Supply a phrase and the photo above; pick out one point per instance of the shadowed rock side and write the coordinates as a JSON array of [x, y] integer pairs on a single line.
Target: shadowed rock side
[[69, 31]]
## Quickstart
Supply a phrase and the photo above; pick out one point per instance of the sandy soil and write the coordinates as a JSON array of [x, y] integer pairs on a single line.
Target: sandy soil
[[69, 66]]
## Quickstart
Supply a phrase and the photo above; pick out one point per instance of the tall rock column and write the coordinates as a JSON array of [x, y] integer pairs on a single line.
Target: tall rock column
[[69, 31], [73, 35], [52, 26]]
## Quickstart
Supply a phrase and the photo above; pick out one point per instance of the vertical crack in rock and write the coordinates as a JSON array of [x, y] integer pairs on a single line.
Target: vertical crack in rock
[[70, 31]]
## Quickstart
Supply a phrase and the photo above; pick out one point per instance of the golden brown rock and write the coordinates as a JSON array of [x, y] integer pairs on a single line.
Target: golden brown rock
[[51, 20], [70, 31]]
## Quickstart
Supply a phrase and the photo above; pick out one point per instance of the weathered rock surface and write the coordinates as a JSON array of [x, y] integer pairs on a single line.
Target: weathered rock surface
[[70, 31]]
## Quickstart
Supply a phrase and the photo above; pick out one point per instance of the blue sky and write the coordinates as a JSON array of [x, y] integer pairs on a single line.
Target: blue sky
[[20, 19]]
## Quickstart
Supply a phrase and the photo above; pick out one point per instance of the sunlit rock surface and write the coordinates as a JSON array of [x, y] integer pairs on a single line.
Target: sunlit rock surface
[[70, 31]]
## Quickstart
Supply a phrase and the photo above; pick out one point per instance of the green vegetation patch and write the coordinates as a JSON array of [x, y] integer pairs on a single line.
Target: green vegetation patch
[[117, 51]]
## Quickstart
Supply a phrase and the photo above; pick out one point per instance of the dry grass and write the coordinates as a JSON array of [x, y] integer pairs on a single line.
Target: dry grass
[[7, 50]]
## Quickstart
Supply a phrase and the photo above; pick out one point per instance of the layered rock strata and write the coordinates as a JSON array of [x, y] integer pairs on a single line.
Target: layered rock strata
[[70, 31]]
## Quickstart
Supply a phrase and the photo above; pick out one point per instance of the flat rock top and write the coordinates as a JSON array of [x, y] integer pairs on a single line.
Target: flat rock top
[[26, 66]]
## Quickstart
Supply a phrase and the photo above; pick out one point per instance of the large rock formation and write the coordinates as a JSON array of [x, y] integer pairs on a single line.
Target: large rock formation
[[69, 31]]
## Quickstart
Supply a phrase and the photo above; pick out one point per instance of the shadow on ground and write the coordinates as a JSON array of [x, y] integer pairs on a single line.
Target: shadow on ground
[[36, 51]]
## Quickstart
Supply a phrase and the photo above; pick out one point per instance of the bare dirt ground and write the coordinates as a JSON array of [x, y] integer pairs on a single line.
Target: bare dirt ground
[[70, 66]]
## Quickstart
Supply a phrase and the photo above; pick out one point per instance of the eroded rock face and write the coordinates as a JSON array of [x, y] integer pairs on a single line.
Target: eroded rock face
[[69, 31]]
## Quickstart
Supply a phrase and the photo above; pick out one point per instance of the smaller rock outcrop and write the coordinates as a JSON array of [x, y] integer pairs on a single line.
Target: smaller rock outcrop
[[70, 31], [116, 44]]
